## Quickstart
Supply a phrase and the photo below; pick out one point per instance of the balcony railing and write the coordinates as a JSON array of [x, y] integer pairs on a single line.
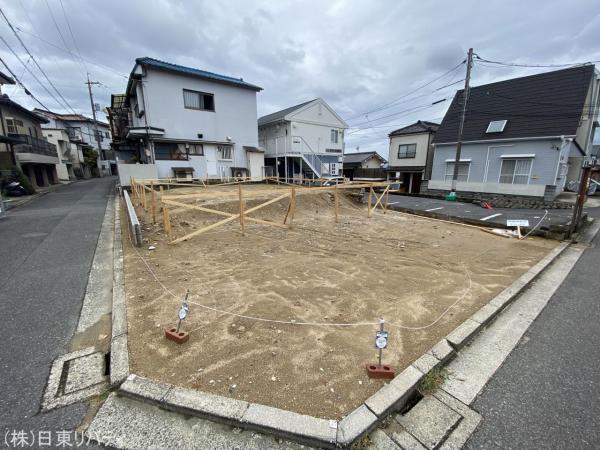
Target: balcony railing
[[34, 145]]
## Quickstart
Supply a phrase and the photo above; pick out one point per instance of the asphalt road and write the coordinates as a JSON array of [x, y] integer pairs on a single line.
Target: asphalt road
[[46, 251], [546, 394], [473, 211]]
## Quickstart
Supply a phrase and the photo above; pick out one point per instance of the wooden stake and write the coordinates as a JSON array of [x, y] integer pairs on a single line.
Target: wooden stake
[[144, 204], [167, 222], [292, 205], [379, 199], [160, 188], [242, 225], [387, 197], [337, 203], [369, 204], [153, 202]]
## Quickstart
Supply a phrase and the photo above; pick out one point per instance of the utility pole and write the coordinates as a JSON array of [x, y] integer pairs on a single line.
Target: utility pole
[[98, 141], [586, 171], [452, 195]]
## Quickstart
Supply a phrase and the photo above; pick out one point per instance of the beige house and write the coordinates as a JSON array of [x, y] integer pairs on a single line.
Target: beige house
[[411, 155], [364, 166]]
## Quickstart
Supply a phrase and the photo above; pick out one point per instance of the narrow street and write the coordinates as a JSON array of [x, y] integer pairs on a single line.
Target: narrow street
[[546, 394], [46, 249]]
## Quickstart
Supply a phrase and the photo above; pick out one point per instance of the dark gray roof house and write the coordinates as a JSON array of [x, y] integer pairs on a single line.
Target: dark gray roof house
[[421, 126], [358, 159], [524, 136], [546, 104]]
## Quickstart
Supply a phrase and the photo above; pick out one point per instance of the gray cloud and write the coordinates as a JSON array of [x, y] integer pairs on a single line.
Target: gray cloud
[[356, 55]]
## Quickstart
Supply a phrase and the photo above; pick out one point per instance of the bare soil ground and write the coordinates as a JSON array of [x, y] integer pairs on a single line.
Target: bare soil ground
[[405, 269]]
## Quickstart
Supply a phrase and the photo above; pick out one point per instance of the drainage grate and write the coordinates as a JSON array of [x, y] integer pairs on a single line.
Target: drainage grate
[[107, 364], [75, 377], [412, 401]]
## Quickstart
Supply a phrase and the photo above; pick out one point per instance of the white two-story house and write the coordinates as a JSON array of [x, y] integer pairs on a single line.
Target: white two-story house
[[186, 123], [306, 140]]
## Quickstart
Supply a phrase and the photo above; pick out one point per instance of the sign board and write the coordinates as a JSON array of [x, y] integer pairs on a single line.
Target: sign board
[[517, 223], [381, 339]]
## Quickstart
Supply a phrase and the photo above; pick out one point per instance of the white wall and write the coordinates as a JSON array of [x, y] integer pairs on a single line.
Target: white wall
[[234, 115], [371, 163], [275, 138], [61, 140], [319, 114], [256, 164], [420, 160], [491, 188], [139, 171], [316, 137]]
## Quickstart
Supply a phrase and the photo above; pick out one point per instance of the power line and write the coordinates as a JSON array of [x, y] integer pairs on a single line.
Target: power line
[[31, 72], [393, 102], [479, 58], [56, 24], [397, 125], [84, 60], [73, 38], [35, 61], [409, 110], [22, 85]]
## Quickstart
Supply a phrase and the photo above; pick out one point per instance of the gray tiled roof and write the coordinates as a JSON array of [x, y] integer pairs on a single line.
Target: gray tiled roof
[[546, 104], [279, 115], [421, 126]]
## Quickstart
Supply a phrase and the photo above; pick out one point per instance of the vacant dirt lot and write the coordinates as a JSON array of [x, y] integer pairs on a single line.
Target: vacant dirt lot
[[406, 269]]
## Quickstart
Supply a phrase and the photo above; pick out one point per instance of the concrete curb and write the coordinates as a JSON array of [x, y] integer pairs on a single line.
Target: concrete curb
[[308, 430], [462, 334], [119, 354]]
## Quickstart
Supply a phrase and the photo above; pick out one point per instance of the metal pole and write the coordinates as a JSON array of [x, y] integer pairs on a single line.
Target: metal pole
[[98, 143], [581, 196], [462, 119], [380, 350]]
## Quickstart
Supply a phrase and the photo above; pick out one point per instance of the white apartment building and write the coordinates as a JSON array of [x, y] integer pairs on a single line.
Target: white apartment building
[[303, 141]]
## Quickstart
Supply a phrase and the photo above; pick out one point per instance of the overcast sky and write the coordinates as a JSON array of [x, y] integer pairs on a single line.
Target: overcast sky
[[358, 56]]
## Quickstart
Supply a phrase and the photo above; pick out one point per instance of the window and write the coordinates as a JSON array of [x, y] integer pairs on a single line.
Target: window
[[225, 151], [196, 149], [496, 126], [198, 100], [169, 151], [407, 150], [107, 135], [335, 136], [333, 150], [11, 126], [515, 171], [463, 171]]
